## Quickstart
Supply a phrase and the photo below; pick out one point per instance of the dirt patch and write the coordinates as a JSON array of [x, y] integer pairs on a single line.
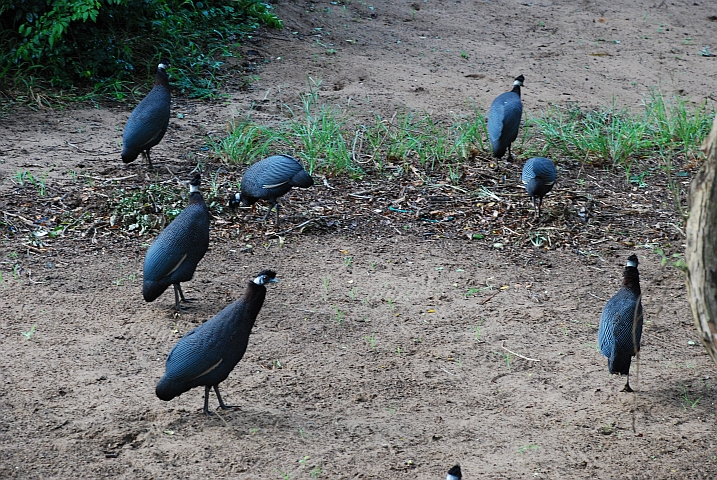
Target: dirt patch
[[415, 325]]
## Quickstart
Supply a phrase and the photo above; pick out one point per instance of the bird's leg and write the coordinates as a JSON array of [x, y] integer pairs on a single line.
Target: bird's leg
[[277, 215], [178, 293], [206, 400], [271, 205], [221, 402], [149, 160], [539, 202], [510, 155], [627, 386]]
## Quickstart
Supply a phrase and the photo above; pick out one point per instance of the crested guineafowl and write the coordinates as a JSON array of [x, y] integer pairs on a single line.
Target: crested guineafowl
[[538, 178], [207, 355], [175, 253], [269, 179], [621, 323], [454, 473], [504, 119], [149, 120]]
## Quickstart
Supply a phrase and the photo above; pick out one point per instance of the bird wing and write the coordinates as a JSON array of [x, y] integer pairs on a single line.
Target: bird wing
[[606, 338], [495, 120], [187, 237], [274, 185], [615, 333], [528, 171], [511, 119], [163, 260], [192, 357], [148, 122], [623, 329], [545, 169], [279, 172]]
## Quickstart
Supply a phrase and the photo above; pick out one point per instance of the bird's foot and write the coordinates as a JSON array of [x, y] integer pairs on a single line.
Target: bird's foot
[[627, 388]]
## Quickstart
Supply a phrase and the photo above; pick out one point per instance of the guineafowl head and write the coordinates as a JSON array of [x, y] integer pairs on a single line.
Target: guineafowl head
[[518, 82], [194, 183], [454, 473], [632, 261], [236, 200], [266, 276], [162, 77]]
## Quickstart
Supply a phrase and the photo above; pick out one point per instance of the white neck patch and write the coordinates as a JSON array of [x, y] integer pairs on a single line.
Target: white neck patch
[[517, 83], [162, 66], [630, 263], [193, 188], [259, 280]]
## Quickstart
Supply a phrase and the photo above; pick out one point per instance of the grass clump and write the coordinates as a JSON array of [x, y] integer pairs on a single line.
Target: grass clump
[[321, 136], [619, 137]]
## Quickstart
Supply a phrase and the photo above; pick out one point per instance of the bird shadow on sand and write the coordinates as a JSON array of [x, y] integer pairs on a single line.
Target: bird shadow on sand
[[243, 419], [692, 395]]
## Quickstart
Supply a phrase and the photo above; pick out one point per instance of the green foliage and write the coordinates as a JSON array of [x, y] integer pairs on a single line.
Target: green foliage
[[100, 44], [145, 209]]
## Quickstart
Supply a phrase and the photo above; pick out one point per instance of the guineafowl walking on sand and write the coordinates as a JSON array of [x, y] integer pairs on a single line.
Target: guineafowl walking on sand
[[621, 323], [270, 179], [148, 122], [538, 178], [504, 119], [454, 473], [175, 253], [206, 355]]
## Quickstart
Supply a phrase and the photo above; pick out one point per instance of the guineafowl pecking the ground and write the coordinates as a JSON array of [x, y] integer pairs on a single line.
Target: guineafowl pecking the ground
[[175, 253], [621, 323], [504, 119], [269, 179], [149, 120], [207, 355], [538, 177], [454, 473]]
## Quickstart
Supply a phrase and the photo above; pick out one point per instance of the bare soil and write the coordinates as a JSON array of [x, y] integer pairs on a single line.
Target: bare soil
[[415, 325]]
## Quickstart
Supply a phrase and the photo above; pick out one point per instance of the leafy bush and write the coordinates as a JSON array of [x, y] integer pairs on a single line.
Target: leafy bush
[[99, 44]]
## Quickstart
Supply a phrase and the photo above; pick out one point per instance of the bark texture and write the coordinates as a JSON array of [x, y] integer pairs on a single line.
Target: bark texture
[[701, 251]]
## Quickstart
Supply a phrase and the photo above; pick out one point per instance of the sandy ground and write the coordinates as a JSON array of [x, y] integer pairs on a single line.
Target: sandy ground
[[393, 346]]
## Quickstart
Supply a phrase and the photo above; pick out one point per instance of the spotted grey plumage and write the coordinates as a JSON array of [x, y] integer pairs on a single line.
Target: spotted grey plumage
[[207, 355], [175, 253], [149, 120], [269, 179], [538, 177], [504, 119], [620, 327]]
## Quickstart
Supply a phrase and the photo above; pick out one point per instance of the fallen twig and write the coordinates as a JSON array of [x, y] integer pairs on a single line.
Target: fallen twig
[[27, 222], [489, 298], [517, 354], [278, 234]]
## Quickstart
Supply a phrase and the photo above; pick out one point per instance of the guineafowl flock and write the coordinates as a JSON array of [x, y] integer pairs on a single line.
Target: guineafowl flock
[[207, 355]]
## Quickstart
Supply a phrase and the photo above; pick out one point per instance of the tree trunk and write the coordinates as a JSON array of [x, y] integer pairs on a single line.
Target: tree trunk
[[701, 251]]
